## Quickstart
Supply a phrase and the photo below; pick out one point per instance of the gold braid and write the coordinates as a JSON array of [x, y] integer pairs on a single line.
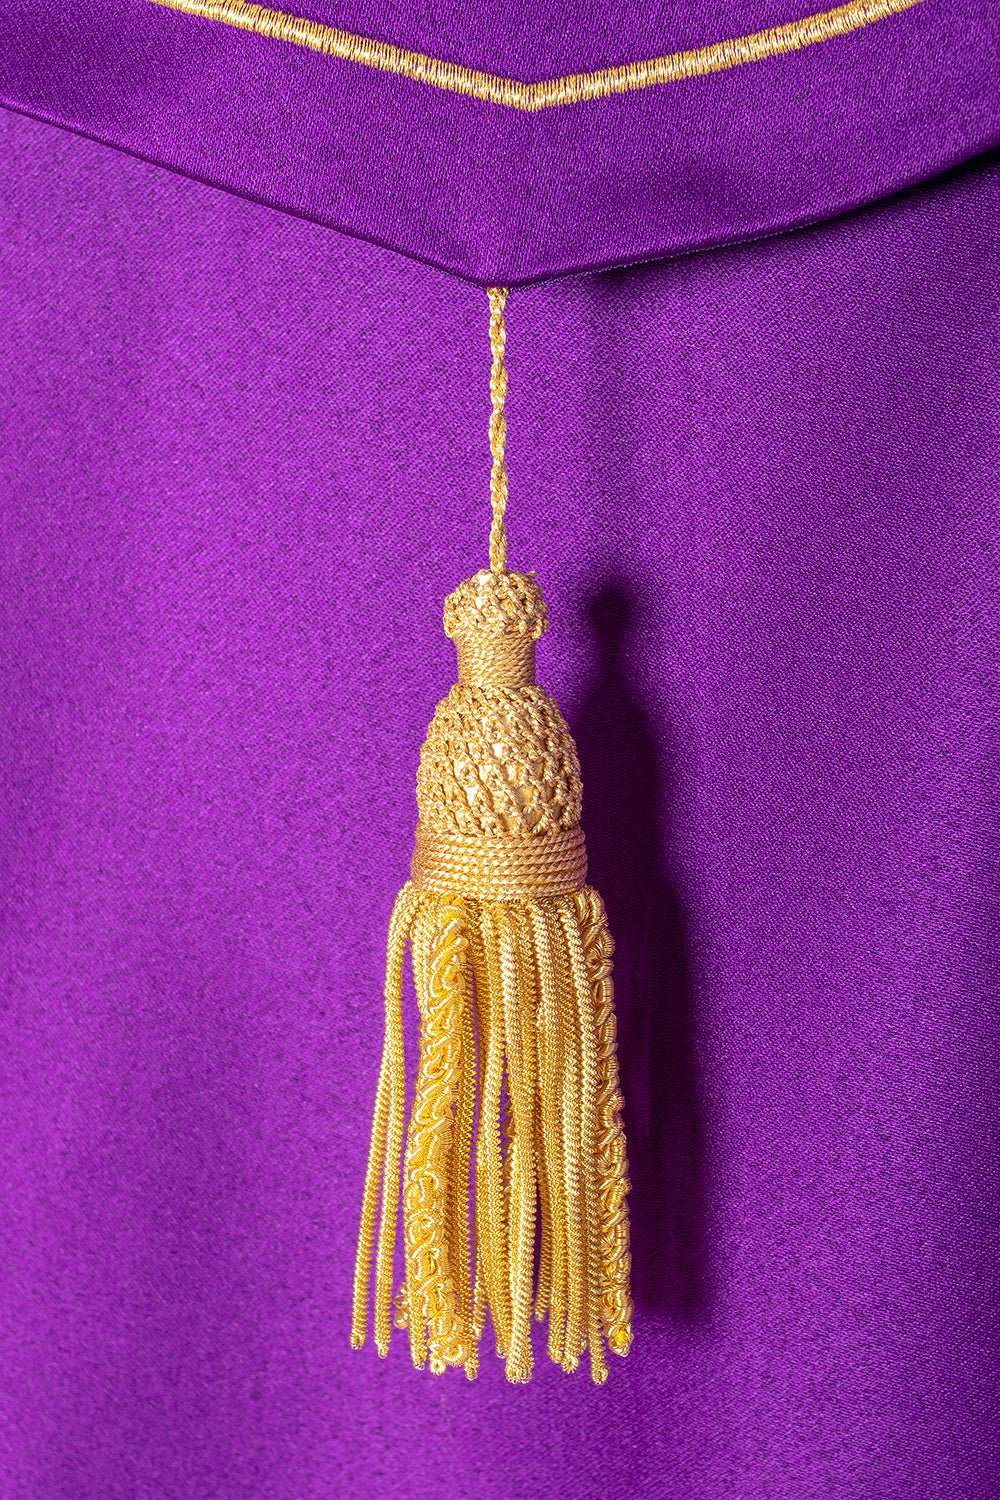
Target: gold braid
[[440, 947]]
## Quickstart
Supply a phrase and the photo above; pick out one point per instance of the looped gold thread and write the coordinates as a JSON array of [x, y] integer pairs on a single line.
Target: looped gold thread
[[498, 761], [518, 868], [496, 604]]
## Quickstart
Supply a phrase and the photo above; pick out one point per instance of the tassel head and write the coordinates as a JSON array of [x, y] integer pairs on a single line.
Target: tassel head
[[498, 786]]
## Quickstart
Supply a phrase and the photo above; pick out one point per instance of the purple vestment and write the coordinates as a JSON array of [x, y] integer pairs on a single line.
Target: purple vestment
[[242, 462]]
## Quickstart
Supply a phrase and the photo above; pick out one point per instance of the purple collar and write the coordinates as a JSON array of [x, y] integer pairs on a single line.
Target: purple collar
[[497, 180]]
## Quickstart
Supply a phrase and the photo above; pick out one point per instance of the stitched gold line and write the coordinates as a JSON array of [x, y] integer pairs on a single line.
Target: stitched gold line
[[529, 97]]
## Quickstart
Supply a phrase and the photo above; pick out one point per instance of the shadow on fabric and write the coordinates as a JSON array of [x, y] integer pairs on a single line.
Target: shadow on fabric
[[626, 785]]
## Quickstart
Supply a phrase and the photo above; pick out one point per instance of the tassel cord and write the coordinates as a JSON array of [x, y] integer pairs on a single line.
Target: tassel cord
[[498, 430], [535, 1040]]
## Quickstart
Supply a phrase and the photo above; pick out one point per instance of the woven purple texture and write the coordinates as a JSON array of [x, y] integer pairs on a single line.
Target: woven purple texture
[[242, 461], [502, 197]]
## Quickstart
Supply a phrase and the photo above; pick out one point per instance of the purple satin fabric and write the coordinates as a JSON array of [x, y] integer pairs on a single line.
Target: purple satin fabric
[[242, 460], [501, 197]]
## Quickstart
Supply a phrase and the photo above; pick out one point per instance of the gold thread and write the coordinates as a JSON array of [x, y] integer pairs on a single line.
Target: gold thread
[[505, 661], [496, 604], [530, 983], [576, 88], [498, 762], [460, 1183]]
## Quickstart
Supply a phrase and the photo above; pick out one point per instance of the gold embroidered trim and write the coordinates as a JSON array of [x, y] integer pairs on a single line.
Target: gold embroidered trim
[[530, 97]]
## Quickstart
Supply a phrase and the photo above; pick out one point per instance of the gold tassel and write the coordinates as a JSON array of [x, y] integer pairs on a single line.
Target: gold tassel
[[515, 1138]]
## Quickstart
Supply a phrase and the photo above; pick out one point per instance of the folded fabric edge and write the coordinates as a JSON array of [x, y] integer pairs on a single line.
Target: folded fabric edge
[[498, 272]]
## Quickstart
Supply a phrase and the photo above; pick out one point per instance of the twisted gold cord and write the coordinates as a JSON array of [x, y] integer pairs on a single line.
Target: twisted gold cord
[[498, 431], [516, 979], [551, 1051], [491, 1188], [574, 1340], [612, 1164], [588, 1137], [369, 1203]]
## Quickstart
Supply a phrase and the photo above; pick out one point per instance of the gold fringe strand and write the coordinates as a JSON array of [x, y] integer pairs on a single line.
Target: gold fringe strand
[[514, 1154]]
